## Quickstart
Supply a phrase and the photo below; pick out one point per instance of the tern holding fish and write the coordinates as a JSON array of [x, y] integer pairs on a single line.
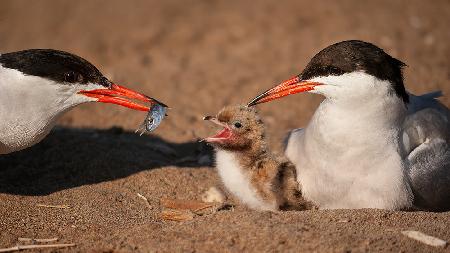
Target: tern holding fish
[[370, 144], [38, 85]]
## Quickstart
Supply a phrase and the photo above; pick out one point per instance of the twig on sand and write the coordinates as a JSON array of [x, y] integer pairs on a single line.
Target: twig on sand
[[22, 247], [53, 206], [183, 210], [192, 205], [424, 238], [22, 239], [145, 199], [177, 215]]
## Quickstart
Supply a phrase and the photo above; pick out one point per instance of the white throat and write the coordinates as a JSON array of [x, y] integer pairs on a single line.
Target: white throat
[[30, 106], [358, 102]]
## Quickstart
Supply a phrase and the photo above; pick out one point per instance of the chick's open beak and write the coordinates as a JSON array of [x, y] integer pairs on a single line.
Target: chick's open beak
[[119, 95], [222, 135], [288, 87]]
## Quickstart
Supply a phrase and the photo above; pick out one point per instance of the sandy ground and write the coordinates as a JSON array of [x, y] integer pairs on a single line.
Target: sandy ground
[[198, 56]]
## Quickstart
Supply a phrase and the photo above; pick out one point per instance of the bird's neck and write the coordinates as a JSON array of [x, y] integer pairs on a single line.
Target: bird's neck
[[249, 155], [358, 100], [372, 119], [29, 108]]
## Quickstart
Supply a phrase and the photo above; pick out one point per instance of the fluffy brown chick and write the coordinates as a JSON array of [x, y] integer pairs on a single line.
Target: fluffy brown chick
[[247, 168]]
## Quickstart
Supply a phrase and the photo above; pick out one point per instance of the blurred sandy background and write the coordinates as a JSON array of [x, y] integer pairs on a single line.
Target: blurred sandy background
[[198, 56]]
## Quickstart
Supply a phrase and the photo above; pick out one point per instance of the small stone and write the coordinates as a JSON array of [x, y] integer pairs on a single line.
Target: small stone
[[213, 195]]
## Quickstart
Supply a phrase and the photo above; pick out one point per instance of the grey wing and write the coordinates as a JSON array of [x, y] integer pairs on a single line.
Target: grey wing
[[426, 141], [289, 135], [292, 143]]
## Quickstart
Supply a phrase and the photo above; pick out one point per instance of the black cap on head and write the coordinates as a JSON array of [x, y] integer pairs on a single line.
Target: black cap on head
[[355, 55], [59, 66]]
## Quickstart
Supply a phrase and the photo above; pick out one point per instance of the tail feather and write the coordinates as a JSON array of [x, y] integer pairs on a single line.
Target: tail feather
[[432, 95], [427, 100], [288, 136]]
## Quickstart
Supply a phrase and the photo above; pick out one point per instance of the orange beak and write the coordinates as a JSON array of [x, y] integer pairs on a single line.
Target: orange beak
[[119, 95], [223, 135], [288, 87]]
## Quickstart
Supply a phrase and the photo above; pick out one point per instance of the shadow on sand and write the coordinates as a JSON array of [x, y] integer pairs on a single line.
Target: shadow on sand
[[71, 157]]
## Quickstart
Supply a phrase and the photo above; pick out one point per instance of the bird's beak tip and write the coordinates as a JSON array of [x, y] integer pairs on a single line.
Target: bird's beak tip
[[252, 103]]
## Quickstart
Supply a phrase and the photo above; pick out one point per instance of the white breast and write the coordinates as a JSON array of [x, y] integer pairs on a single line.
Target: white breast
[[237, 182]]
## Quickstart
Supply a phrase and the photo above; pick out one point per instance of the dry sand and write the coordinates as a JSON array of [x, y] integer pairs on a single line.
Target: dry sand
[[198, 56]]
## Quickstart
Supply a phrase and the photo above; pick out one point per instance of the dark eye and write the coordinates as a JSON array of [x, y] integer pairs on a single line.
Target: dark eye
[[237, 124], [73, 77]]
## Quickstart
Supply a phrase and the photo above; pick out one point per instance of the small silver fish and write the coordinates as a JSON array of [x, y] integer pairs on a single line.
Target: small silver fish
[[154, 117]]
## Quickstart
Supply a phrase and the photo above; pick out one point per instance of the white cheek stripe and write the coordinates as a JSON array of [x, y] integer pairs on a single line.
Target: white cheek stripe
[[30, 106]]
